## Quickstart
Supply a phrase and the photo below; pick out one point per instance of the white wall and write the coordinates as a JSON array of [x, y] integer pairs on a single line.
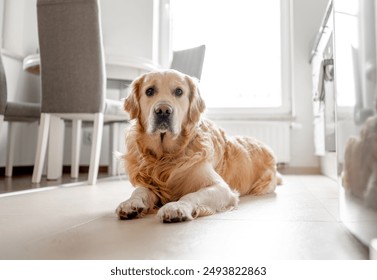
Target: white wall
[[1, 20], [128, 27], [20, 29], [307, 18]]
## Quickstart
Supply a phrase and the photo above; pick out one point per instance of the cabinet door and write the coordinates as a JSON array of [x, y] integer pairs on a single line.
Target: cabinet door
[[355, 80]]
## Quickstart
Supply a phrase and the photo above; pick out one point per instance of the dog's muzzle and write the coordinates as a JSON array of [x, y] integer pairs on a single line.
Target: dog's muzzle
[[163, 117]]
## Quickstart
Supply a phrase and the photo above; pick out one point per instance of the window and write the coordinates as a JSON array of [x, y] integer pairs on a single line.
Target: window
[[247, 51]]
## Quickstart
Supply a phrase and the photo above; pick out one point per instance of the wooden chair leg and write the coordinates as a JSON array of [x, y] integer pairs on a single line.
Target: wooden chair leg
[[40, 155], [96, 148], [76, 147]]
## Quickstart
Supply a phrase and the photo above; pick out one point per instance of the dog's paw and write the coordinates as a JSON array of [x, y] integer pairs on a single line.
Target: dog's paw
[[175, 212], [132, 208]]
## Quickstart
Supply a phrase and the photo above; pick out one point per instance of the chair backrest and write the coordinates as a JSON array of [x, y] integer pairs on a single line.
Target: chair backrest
[[189, 61], [3, 87], [72, 57]]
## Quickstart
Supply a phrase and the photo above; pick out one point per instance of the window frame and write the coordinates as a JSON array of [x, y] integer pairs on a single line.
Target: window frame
[[286, 110]]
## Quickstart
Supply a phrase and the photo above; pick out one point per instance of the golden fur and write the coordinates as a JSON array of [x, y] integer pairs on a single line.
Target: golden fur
[[189, 153]]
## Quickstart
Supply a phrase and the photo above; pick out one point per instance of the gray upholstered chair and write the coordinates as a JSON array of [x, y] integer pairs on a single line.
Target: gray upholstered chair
[[73, 74], [189, 61], [13, 112]]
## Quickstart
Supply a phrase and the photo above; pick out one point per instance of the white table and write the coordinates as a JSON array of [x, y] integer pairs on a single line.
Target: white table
[[119, 70]]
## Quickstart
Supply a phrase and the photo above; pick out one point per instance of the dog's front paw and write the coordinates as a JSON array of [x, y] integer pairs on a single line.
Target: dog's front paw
[[132, 208], [175, 212]]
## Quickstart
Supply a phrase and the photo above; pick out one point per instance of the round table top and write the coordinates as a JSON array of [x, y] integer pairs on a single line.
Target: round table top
[[117, 67]]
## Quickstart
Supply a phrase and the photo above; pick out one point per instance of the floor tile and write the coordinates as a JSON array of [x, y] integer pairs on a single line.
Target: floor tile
[[108, 238], [296, 222]]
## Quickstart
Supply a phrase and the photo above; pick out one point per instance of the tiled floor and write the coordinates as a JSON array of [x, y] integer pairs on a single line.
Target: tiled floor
[[22, 182], [299, 221]]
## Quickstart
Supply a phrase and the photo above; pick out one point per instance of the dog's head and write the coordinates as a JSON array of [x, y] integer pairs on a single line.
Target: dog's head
[[164, 102]]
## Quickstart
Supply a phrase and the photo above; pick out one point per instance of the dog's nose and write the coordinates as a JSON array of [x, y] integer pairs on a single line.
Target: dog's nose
[[163, 110]]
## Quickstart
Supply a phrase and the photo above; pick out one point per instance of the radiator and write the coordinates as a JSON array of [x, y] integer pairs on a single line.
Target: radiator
[[275, 134]]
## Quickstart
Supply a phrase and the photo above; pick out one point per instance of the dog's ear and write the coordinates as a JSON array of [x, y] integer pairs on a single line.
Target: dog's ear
[[197, 105], [131, 103]]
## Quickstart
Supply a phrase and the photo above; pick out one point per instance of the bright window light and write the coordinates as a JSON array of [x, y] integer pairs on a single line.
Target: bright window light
[[242, 65], [346, 38]]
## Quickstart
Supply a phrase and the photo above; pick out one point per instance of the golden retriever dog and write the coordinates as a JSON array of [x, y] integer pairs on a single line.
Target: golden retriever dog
[[182, 163]]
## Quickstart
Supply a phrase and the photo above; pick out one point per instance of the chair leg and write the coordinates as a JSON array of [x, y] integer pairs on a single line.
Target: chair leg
[[96, 148], [76, 145], [55, 148], [1, 122], [10, 150], [41, 147], [113, 148]]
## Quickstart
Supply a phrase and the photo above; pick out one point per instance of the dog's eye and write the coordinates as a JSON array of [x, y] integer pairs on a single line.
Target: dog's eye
[[149, 91], [178, 92]]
